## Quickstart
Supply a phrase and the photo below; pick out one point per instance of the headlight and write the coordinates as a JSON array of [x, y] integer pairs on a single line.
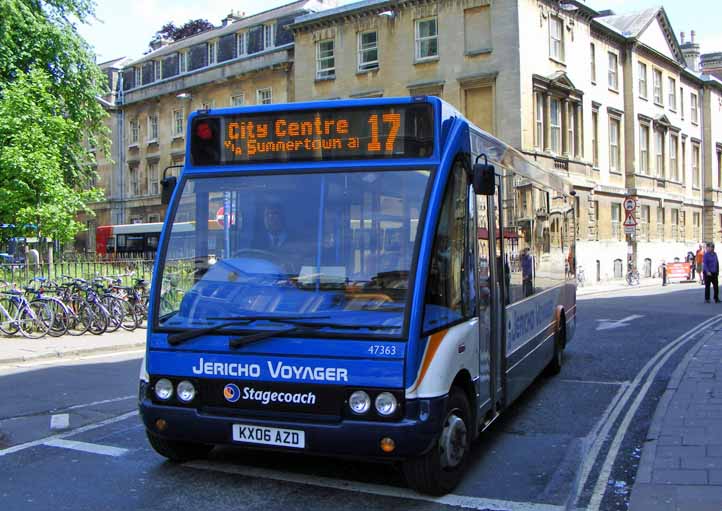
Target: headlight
[[163, 389], [359, 402], [386, 404], [186, 391]]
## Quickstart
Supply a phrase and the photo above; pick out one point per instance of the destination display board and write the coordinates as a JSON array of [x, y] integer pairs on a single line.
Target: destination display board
[[389, 131]]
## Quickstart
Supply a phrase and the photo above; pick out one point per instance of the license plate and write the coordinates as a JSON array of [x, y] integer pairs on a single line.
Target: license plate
[[269, 436]]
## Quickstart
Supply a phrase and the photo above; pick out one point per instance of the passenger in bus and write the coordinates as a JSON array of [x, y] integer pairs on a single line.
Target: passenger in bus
[[527, 272]]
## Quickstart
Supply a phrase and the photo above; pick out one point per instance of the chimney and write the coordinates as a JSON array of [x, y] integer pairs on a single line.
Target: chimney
[[690, 51], [232, 17], [156, 44], [681, 38]]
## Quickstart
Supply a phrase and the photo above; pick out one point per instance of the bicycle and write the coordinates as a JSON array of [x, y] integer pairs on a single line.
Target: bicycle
[[633, 277], [17, 314]]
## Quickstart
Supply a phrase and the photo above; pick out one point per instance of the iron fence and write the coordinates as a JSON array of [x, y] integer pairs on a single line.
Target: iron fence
[[84, 268]]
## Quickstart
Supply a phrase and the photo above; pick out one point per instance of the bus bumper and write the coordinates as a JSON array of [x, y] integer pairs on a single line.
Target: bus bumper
[[412, 435]]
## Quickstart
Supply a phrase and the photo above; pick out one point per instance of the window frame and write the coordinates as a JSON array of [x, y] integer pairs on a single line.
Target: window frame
[[672, 85], [539, 120], [644, 149], [556, 45], [153, 128], [134, 132], [673, 157], [593, 62], [557, 127], [153, 181], [269, 32], [659, 152], [642, 85], [326, 73], [371, 65], [694, 108], [657, 87], [613, 73], [242, 43], [615, 162], [260, 92], [418, 40], [157, 70], [696, 177], [241, 95], [178, 123], [212, 51], [595, 138]]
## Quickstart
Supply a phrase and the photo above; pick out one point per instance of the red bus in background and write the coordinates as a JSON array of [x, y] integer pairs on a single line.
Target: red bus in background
[[139, 240]]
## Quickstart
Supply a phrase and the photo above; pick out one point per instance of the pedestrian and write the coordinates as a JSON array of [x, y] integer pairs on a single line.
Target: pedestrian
[[698, 260], [664, 273], [710, 267], [527, 272], [690, 259]]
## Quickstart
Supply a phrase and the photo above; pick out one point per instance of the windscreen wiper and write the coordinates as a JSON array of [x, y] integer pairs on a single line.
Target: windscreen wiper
[[299, 327], [229, 321], [181, 337]]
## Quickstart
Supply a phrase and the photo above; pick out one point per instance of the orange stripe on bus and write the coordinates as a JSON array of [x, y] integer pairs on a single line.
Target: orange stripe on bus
[[433, 346]]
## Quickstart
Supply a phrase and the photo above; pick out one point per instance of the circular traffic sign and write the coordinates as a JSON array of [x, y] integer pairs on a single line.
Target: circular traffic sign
[[629, 204], [220, 217]]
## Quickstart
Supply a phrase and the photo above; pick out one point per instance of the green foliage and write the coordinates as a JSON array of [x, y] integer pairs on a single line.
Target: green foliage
[[49, 90]]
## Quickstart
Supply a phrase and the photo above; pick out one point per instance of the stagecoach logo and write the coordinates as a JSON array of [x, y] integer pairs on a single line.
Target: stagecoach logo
[[232, 393]]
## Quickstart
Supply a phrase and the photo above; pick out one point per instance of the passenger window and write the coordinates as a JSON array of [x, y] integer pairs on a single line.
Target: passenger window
[[448, 290]]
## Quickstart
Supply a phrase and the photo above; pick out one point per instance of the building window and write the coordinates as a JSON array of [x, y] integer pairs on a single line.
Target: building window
[[153, 185], [593, 62], [137, 76], [660, 224], [693, 108], [595, 138], [697, 223], [719, 168], [675, 224], [659, 152], [642, 80], [212, 52], [672, 86], [644, 224], [238, 99], [612, 73], [695, 165], [616, 221], [183, 62], [555, 122], [134, 188], [263, 96], [614, 155], [427, 39], [683, 225], [368, 52], [684, 161], [177, 123], [556, 38], [539, 121], [153, 128], [269, 35], [673, 166], [241, 43], [643, 149], [658, 87], [325, 61], [134, 131], [571, 120], [681, 103], [157, 71]]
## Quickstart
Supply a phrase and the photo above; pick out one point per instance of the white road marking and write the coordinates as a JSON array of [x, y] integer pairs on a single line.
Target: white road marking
[[95, 403], [83, 429], [373, 489], [606, 324], [72, 360], [594, 382], [106, 450], [60, 421], [610, 417]]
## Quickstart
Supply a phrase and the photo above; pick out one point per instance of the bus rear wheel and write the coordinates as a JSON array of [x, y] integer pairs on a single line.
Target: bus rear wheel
[[560, 340], [177, 450], [439, 471]]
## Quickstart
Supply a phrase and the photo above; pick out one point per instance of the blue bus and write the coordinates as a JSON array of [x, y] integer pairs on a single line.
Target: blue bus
[[384, 280]]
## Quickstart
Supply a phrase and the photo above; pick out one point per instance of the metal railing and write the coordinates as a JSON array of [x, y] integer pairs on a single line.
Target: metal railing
[[88, 268]]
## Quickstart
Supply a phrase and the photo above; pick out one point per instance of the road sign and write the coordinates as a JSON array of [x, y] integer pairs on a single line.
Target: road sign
[[630, 229], [220, 217], [630, 221], [630, 204]]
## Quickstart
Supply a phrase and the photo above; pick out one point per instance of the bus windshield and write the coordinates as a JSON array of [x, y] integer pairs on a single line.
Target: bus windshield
[[332, 247]]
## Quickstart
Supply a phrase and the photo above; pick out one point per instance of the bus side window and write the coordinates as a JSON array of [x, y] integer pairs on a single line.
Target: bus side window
[[448, 298]]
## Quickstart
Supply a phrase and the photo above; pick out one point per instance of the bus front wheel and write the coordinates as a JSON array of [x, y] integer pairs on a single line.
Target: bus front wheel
[[439, 470], [176, 450]]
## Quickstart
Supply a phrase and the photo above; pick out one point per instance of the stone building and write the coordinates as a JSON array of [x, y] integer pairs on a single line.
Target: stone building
[[246, 60], [609, 101]]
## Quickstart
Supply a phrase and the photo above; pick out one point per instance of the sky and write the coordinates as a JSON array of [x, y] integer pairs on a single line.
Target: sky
[[125, 31]]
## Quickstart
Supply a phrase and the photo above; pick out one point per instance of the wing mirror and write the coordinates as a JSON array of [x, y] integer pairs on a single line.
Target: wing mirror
[[167, 185], [483, 177]]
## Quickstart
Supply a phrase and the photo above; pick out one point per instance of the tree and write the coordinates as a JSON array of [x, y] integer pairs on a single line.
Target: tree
[[171, 32], [49, 114]]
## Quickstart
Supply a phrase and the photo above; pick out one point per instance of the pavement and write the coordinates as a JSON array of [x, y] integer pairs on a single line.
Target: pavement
[[18, 349], [681, 465]]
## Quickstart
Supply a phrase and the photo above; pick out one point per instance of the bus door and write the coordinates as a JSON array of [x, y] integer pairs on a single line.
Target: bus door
[[498, 276]]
